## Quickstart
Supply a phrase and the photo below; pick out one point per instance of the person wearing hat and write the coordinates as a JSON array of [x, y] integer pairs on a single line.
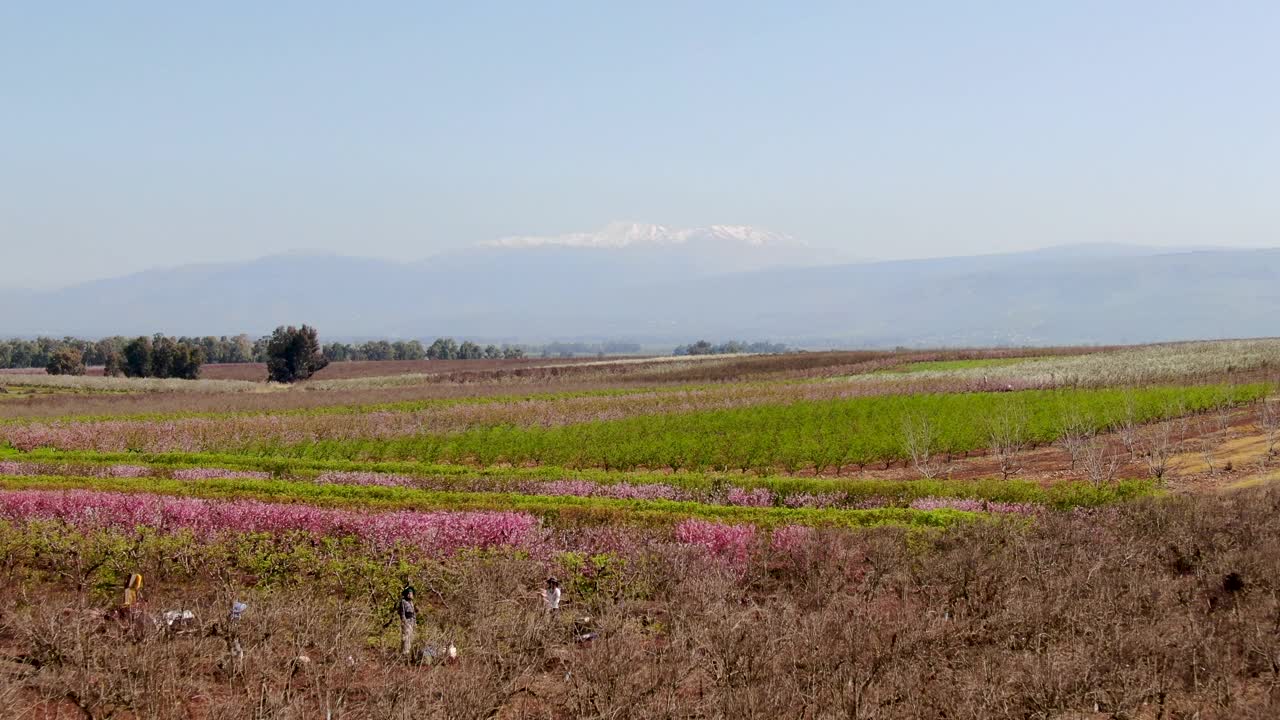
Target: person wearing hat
[[551, 595]]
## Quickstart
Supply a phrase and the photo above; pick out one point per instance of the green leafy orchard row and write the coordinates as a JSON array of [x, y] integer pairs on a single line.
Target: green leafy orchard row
[[821, 434]]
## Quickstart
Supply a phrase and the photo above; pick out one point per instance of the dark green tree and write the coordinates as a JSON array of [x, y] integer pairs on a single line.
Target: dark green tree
[[409, 350], [137, 357], [186, 361], [294, 354], [378, 350], [443, 349], [164, 356], [340, 352]]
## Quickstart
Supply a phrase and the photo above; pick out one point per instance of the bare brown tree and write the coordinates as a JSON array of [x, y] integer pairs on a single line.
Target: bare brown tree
[[1100, 463], [1208, 449], [920, 439], [1127, 427], [1222, 413], [1074, 432], [1154, 445], [1269, 424], [1007, 437]]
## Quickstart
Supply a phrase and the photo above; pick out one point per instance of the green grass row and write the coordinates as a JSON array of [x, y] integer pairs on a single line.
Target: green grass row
[[559, 510], [1063, 495], [819, 434]]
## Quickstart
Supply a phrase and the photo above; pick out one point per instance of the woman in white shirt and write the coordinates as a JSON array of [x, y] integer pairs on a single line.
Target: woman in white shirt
[[551, 595]]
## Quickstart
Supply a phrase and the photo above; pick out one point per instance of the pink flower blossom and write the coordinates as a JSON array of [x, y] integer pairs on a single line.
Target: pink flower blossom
[[124, 471], [644, 491], [622, 490], [756, 497], [729, 543], [434, 532], [10, 467], [793, 541], [814, 500], [368, 478]]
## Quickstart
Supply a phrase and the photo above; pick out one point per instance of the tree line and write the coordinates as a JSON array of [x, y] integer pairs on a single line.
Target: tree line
[[291, 354], [440, 349], [158, 356], [38, 352], [25, 353], [702, 347], [574, 349], [176, 355]]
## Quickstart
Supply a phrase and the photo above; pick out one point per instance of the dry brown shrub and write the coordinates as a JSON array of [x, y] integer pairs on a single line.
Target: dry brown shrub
[[1166, 608]]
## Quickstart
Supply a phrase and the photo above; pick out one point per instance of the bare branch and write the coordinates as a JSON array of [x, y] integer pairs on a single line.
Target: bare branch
[[1007, 436], [1100, 464], [1074, 432], [920, 441]]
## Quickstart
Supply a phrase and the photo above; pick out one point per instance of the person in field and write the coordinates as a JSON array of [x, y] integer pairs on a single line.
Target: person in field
[[551, 595], [131, 611], [229, 631], [234, 649], [132, 591], [407, 612]]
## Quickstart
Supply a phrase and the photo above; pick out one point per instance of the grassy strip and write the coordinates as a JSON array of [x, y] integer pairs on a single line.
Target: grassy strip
[[1063, 495], [820, 434], [559, 510]]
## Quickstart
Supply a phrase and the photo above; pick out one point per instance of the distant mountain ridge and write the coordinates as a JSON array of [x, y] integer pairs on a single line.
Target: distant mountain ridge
[[662, 291], [624, 234]]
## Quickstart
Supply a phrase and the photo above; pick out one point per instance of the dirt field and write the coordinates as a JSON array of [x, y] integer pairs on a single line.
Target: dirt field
[[1208, 453]]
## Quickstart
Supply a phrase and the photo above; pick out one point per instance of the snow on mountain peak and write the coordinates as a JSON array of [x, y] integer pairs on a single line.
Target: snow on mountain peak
[[624, 234]]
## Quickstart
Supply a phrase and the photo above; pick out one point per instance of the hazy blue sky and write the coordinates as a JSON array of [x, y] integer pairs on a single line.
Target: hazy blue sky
[[143, 134]]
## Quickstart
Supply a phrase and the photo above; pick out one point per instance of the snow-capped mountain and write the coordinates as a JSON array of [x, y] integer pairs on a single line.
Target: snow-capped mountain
[[634, 254], [679, 292], [625, 234]]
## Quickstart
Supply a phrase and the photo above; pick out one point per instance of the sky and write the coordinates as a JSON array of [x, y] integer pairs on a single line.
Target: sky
[[136, 135]]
